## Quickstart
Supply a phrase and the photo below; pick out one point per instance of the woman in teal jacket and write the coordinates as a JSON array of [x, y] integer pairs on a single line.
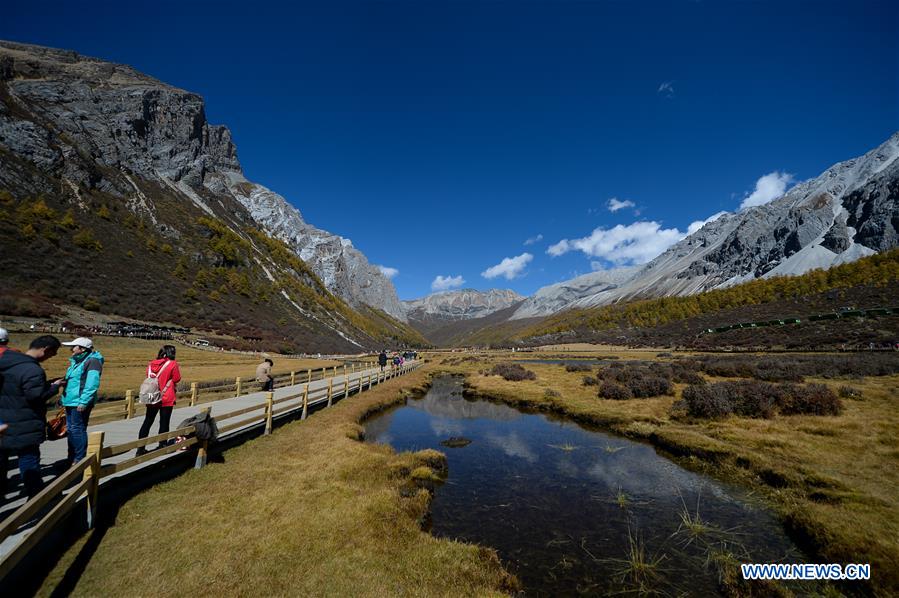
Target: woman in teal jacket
[[81, 385]]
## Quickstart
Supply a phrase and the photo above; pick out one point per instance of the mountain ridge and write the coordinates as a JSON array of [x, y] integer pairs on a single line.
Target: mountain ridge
[[847, 212], [117, 184]]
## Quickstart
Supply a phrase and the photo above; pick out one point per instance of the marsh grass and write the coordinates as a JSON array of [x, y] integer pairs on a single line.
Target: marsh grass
[[693, 528], [565, 446], [640, 572], [306, 511]]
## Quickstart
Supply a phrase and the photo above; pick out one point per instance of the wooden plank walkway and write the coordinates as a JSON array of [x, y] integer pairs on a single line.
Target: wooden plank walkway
[[53, 454]]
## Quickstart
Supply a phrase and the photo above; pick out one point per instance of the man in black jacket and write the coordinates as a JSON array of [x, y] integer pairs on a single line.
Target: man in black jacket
[[24, 392]]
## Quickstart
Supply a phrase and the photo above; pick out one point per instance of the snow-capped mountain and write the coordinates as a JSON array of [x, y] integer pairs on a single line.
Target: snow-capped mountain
[[464, 304], [849, 211]]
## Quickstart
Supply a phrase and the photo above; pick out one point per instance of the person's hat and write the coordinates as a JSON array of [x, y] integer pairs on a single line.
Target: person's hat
[[81, 341], [4, 335]]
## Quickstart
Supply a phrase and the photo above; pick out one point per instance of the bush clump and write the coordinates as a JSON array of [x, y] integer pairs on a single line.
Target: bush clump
[[590, 381], [577, 367], [811, 399], [614, 391], [753, 398], [643, 379], [513, 372], [650, 386], [706, 401]]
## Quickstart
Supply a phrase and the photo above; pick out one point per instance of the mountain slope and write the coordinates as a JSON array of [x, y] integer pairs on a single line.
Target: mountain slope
[[868, 283], [117, 195], [849, 211]]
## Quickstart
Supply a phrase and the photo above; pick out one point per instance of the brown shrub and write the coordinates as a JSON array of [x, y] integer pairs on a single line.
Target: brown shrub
[[513, 372], [811, 399], [614, 391]]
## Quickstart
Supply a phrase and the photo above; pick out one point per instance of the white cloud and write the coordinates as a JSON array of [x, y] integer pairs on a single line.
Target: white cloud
[[614, 204], [666, 89], [533, 240], [388, 272], [768, 188], [695, 226], [635, 243], [444, 283], [510, 267]]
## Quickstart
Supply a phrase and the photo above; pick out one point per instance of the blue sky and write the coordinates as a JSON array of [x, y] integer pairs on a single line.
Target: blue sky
[[442, 136]]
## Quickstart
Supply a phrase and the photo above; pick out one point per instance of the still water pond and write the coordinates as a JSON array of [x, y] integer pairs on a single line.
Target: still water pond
[[565, 506]]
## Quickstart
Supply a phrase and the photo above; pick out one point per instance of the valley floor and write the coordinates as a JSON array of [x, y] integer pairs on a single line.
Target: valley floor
[[323, 514]]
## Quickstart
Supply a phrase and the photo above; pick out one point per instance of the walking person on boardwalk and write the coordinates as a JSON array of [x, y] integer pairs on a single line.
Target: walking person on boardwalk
[[80, 394], [264, 375], [23, 409], [382, 359], [167, 373]]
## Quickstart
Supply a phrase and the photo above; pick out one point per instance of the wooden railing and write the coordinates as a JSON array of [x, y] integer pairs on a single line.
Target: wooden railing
[[91, 469], [199, 393]]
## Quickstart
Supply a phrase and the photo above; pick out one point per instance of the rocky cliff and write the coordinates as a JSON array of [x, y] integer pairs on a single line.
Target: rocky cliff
[[87, 124], [117, 183], [464, 304], [849, 211]]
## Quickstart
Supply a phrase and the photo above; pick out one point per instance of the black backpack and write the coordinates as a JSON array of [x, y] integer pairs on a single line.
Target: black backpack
[[204, 424]]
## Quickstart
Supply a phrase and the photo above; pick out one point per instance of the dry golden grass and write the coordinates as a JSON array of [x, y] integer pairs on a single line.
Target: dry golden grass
[[307, 511], [126, 362], [833, 480]]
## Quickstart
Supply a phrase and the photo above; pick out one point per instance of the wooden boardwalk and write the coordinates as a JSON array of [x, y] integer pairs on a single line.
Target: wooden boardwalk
[[53, 454]]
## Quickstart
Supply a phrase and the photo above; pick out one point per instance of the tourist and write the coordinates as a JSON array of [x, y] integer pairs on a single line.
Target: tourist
[[4, 340], [165, 369], [382, 359], [80, 393], [23, 408], [264, 375]]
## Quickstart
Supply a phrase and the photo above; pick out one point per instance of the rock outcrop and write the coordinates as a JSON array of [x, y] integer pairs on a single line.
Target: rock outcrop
[[95, 125]]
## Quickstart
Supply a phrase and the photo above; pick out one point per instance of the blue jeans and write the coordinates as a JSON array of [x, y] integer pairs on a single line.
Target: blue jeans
[[76, 422], [29, 468]]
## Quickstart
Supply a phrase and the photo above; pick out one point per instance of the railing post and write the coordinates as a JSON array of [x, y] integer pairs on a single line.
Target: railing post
[[305, 401], [129, 403], [335, 372], [203, 448], [237, 383], [330, 383], [293, 378], [92, 473], [346, 386], [308, 375], [194, 391], [269, 407]]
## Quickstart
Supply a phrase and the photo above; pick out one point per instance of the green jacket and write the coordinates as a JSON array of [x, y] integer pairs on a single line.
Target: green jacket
[[83, 379]]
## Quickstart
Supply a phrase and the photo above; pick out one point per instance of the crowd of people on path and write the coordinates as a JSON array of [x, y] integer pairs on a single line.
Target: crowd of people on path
[[26, 394], [397, 360]]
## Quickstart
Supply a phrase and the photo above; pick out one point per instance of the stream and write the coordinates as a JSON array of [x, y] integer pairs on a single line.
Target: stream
[[577, 511]]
